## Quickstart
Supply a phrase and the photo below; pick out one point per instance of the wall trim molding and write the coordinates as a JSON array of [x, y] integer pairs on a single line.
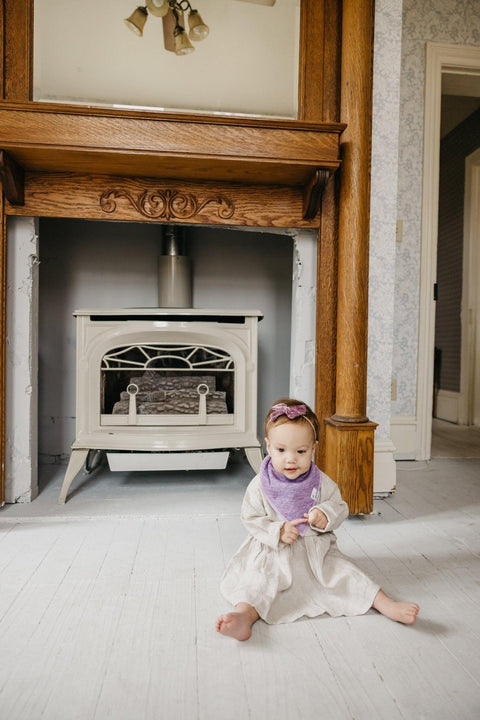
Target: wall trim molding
[[448, 405], [403, 430], [469, 405], [384, 468]]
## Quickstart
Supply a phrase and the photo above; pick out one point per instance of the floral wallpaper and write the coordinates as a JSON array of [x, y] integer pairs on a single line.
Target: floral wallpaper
[[386, 100]]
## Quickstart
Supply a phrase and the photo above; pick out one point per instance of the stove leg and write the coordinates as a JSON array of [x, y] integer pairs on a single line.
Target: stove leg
[[254, 457], [77, 461]]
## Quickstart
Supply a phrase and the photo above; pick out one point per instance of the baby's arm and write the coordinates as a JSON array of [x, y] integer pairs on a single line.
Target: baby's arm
[[256, 519], [331, 511]]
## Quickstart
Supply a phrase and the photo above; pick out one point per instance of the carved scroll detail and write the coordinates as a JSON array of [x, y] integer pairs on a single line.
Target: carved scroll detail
[[166, 204], [12, 179], [313, 191]]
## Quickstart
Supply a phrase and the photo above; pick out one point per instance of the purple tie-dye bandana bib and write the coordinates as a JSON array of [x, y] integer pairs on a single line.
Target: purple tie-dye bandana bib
[[290, 498]]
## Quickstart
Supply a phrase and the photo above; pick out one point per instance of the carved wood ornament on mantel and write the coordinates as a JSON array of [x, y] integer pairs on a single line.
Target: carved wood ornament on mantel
[[166, 204], [58, 138]]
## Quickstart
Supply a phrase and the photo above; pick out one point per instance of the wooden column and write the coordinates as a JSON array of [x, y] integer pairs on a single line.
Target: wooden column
[[320, 75], [349, 433]]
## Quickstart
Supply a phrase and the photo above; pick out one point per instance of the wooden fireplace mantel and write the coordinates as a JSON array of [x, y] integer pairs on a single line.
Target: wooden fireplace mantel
[[61, 160], [75, 138], [57, 138]]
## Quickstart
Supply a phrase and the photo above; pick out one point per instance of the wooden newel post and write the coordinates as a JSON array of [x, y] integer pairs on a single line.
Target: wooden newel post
[[349, 433]]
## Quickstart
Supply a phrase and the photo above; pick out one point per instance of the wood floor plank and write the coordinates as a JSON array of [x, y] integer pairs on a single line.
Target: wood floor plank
[[400, 655], [91, 643], [46, 651], [28, 592], [113, 616], [452, 628], [222, 691], [356, 673], [151, 668], [312, 669], [168, 673], [23, 552]]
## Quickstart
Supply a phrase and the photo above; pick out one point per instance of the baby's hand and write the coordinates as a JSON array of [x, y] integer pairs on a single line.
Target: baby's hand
[[317, 518], [289, 532]]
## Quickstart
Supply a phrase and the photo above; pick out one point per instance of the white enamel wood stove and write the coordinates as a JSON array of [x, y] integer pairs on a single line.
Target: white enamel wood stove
[[165, 388]]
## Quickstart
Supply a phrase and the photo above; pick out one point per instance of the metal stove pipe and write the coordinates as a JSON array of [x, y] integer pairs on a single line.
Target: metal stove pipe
[[174, 270]]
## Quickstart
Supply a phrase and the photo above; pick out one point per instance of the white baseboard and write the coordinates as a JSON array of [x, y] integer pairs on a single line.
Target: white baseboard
[[403, 429], [447, 405], [384, 468]]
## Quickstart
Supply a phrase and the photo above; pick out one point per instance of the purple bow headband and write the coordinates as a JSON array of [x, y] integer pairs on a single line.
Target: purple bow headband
[[292, 412]]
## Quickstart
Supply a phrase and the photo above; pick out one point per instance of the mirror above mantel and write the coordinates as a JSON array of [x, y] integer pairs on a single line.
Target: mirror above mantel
[[247, 65]]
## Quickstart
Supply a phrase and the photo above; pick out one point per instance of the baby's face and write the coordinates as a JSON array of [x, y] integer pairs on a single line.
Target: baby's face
[[291, 446]]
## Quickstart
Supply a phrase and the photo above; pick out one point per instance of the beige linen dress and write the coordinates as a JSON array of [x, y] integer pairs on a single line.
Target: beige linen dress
[[310, 577]]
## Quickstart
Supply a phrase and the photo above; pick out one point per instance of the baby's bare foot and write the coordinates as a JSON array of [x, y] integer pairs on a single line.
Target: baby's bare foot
[[404, 612], [234, 624]]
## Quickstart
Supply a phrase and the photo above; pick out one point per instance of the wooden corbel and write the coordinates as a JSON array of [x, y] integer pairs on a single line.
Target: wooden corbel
[[12, 177], [313, 191]]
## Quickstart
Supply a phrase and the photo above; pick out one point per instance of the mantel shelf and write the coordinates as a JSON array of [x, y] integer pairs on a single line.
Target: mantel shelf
[[51, 137]]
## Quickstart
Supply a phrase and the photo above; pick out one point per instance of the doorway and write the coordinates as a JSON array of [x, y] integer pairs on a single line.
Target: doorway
[[457, 65], [456, 416], [457, 263]]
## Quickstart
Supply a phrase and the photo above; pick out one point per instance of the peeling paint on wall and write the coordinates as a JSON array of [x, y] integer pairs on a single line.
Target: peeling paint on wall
[[302, 359], [22, 350]]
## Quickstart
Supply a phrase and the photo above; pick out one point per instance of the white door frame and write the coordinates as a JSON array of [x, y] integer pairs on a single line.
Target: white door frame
[[469, 408], [440, 58]]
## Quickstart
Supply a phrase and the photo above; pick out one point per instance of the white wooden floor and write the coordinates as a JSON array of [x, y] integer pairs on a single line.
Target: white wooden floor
[[451, 440], [108, 604]]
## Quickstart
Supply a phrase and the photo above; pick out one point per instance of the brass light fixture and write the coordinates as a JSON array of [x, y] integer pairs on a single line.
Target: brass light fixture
[[172, 12]]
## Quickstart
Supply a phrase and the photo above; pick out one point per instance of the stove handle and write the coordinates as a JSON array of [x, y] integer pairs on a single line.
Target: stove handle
[[203, 391], [132, 390]]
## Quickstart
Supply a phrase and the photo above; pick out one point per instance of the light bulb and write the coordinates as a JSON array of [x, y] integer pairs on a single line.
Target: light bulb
[[183, 46], [198, 29], [159, 8], [137, 20]]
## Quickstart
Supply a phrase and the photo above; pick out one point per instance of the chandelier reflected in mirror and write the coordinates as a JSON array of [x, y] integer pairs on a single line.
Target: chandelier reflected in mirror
[[172, 13]]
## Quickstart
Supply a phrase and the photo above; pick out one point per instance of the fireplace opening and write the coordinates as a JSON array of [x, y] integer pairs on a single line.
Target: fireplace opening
[[59, 265]]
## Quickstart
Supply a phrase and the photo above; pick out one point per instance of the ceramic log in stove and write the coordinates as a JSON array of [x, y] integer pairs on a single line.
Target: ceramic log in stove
[[163, 388]]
